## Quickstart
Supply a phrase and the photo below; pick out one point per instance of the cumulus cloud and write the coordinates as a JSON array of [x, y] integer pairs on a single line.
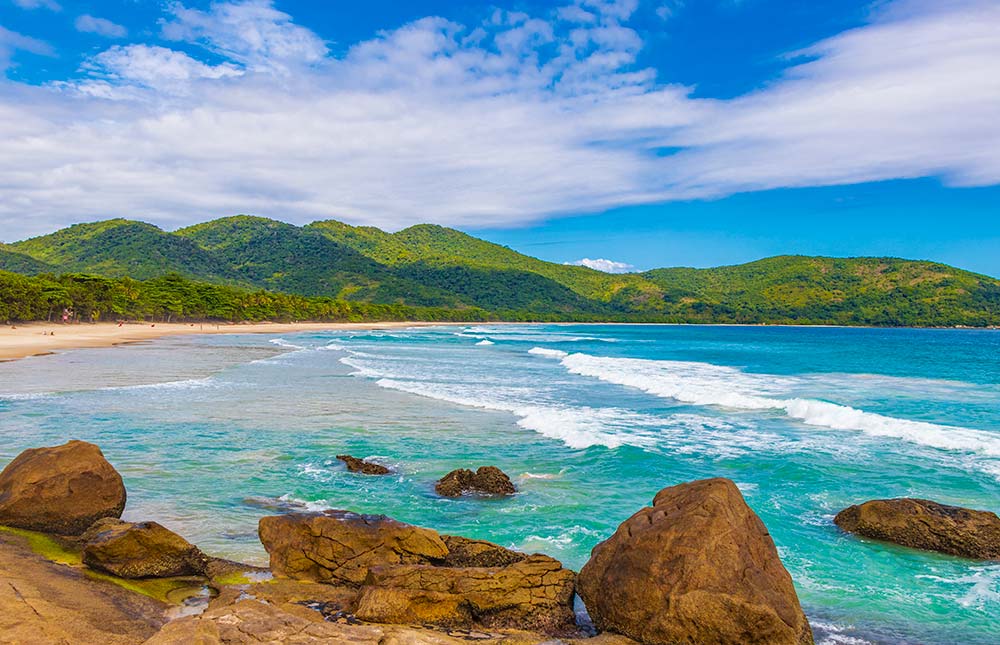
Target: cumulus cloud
[[100, 26], [600, 264], [510, 120]]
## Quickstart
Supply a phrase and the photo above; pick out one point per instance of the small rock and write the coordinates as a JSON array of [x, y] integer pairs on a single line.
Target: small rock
[[923, 524], [61, 489], [140, 550], [356, 465], [463, 552], [488, 480]]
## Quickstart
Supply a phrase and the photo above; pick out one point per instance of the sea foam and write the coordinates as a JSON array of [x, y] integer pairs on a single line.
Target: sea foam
[[714, 385]]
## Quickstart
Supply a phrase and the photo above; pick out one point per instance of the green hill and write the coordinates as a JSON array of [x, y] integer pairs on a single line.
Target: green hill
[[121, 247], [11, 260], [433, 266]]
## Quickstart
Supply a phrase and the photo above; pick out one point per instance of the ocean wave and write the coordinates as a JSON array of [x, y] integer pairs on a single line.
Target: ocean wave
[[286, 504], [553, 353], [186, 384], [713, 385], [332, 347], [577, 427], [485, 342], [281, 342], [25, 396]]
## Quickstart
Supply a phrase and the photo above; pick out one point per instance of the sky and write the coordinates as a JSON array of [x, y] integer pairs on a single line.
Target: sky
[[622, 134]]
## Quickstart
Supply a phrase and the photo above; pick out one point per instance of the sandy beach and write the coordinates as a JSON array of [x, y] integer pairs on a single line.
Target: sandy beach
[[34, 339]]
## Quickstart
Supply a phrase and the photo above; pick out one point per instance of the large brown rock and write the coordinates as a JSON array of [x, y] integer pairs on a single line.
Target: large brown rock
[[534, 594], [61, 489], [923, 524], [140, 550], [487, 480], [697, 567], [406, 574], [339, 547]]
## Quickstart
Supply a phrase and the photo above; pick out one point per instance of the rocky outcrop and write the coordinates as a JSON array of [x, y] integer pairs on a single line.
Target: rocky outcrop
[[140, 550], [61, 489], [535, 594], [923, 524], [356, 465], [463, 552], [406, 574], [339, 547], [697, 567], [488, 480]]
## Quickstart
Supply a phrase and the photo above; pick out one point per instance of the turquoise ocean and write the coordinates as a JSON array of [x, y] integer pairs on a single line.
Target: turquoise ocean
[[211, 432]]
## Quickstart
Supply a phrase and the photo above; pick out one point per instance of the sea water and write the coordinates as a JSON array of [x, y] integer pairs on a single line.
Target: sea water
[[212, 432]]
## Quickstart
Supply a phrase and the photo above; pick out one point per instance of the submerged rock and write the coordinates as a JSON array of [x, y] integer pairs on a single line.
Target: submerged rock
[[407, 574], [923, 524], [356, 465], [60, 489], [488, 480], [697, 567], [140, 550], [339, 546]]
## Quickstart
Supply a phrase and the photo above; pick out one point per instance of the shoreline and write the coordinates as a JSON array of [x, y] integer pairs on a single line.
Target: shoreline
[[33, 339]]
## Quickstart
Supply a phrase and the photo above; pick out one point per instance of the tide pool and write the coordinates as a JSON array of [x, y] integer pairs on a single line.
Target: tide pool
[[590, 421]]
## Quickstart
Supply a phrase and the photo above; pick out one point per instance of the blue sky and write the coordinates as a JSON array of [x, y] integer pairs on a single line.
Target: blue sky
[[642, 132]]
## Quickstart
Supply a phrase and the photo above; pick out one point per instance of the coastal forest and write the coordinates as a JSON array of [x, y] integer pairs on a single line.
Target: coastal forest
[[250, 269]]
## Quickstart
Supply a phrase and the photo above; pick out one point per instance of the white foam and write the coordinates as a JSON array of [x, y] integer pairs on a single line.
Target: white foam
[[577, 427], [332, 347], [551, 353], [714, 385], [281, 342], [485, 342], [186, 384]]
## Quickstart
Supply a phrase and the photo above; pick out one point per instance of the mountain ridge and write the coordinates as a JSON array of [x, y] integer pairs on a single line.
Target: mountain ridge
[[428, 265]]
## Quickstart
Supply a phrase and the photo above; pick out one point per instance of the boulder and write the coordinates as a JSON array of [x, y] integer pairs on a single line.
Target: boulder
[[923, 524], [61, 489], [411, 575], [356, 465], [535, 593], [697, 567], [140, 550], [339, 546], [488, 480]]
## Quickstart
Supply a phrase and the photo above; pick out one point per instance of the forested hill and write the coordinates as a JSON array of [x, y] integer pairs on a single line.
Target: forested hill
[[446, 274]]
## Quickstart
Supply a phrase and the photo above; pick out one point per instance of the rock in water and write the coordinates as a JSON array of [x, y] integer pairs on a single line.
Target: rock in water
[[697, 567], [339, 546], [356, 465], [488, 480], [140, 550], [923, 524], [62, 489]]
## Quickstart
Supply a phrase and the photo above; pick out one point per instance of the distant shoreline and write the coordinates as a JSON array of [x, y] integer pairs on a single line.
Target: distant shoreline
[[33, 339]]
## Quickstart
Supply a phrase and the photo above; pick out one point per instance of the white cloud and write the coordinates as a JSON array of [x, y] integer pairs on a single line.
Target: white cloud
[[11, 41], [600, 264], [252, 32], [499, 123], [38, 4], [154, 67], [100, 26]]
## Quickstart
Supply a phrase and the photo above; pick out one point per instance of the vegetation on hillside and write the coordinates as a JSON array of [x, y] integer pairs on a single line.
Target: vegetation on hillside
[[249, 268]]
